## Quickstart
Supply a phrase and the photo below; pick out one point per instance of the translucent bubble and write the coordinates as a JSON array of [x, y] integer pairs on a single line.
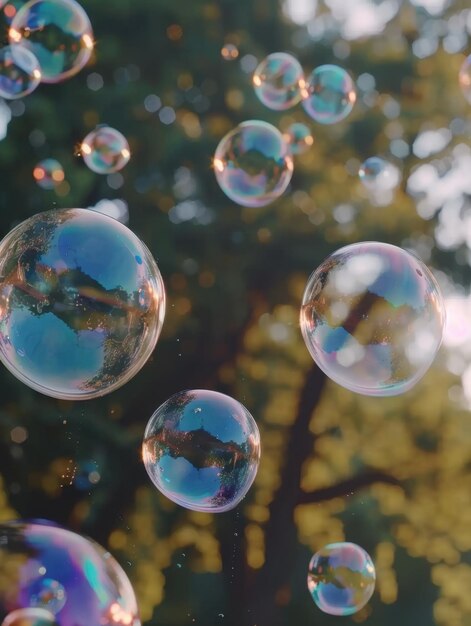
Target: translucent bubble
[[372, 318], [58, 33], [252, 164], [48, 594], [330, 94], [341, 578], [82, 303], [299, 138], [378, 174], [201, 449], [229, 52], [48, 173], [19, 72], [96, 590], [105, 150], [465, 78], [279, 81]]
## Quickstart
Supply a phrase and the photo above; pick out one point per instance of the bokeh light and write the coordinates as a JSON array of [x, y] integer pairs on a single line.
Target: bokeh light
[[379, 174]]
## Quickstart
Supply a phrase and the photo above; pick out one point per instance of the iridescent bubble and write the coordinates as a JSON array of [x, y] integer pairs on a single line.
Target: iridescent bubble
[[82, 303], [201, 449], [48, 173], [378, 174], [372, 318], [48, 594], [58, 33], [19, 72], [105, 150], [330, 94], [341, 578], [229, 52], [299, 138], [252, 164], [96, 589], [279, 81], [464, 78]]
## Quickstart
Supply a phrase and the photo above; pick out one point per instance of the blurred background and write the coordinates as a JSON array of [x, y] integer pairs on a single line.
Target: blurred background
[[391, 474]]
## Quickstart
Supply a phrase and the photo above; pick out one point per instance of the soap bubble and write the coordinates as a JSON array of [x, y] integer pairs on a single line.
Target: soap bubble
[[372, 318], [330, 94], [341, 578], [378, 174], [82, 303], [19, 72], [465, 78], [35, 558], [279, 81], [201, 449], [105, 150], [299, 138], [252, 164], [48, 173], [58, 33]]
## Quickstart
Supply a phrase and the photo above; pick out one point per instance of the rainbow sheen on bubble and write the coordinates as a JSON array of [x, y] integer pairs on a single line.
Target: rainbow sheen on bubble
[[252, 164], [48, 174], [378, 174], [95, 588], [105, 150], [82, 303], [329, 94], [464, 78], [299, 138], [372, 318], [19, 72], [58, 33], [279, 81], [341, 578], [201, 449]]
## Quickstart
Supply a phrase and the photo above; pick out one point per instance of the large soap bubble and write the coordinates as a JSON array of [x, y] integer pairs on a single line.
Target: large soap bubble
[[372, 318], [82, 303], [201, 449], [80, 584], [330, 94], [19, 72], [279, 81]]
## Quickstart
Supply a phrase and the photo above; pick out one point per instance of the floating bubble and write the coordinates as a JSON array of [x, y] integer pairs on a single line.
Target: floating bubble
[[341, 578], [82, 303], [299, 138], [464, 78], [19, 72], [252, 164], [105, 150], [378, 174], [279, 81], [48, 173], [58, 33], [330, 94], [229, 52], [34, 556], [201, 449], [372, 318]]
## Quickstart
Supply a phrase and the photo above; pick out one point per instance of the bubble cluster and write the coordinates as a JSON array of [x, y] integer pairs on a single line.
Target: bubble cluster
[[58, 33], [105, 150], [48, 173], [330, 94], [58, 578], [19, 72], [201, 449], [299, 138], [279, 81], [464, 78], [82, 303], [372, 318], [252, 164], [378, 174], [341, 578]]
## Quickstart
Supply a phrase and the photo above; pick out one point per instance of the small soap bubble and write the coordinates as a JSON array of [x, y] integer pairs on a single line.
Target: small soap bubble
[[48, 174], [464, 78], [378, 174], [201, 449], [299, 138], [279, 81], [341, 578], [70, 303], [330, 94], [19, 72], [47, 594], [372, 318], [105, 150], [229, 52], [58, 33], [30, 617], [252, 164]]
